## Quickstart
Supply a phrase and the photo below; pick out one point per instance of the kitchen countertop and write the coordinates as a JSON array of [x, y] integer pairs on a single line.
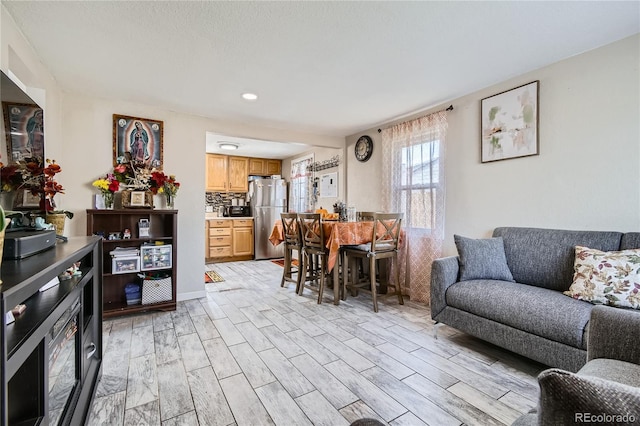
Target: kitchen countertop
[[210, 216]]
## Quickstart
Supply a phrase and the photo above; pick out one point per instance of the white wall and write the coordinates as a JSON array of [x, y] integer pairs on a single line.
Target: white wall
[[587, 175], [364, 179]]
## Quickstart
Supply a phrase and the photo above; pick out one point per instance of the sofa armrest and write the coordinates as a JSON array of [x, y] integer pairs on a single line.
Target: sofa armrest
[[614, 333], [444, 273]]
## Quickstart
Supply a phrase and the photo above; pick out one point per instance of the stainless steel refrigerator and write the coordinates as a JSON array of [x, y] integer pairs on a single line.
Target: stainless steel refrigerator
[[268, 198]]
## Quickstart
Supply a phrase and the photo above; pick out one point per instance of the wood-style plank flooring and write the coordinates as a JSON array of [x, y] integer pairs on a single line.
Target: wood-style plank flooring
[[253, 353]]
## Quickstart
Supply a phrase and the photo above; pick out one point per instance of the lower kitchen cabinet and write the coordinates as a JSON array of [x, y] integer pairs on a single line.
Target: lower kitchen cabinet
[[219, 238], [229, 239], [243, 237]]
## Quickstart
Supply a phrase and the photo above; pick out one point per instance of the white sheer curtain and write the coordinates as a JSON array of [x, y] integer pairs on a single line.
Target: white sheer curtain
[[301, 197], [413, 184]]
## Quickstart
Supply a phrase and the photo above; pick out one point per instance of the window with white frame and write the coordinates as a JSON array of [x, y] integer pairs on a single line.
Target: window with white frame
[[420, 183]]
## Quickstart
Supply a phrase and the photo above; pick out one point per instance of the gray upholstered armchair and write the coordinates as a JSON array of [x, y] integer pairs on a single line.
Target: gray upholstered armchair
[[607, 386]]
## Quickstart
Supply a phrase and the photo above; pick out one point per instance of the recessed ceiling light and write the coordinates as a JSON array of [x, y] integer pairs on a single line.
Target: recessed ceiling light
[[228, 146], [249, 96]]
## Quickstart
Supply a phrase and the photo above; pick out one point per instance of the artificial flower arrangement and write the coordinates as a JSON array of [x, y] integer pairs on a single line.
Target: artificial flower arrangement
[[141, 177], [164, 184], [41, 181], [108, 186]]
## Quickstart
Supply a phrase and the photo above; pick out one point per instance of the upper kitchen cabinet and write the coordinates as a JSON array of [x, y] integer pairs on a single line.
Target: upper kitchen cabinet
[[274, 167], [264, 167], [227, 173], [238, 174], [217, 173]]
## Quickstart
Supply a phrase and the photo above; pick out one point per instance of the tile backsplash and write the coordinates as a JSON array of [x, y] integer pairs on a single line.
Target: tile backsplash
[[213, 200]]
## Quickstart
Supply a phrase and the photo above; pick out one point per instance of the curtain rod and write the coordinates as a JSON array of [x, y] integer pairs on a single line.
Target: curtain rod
[[449, 108]]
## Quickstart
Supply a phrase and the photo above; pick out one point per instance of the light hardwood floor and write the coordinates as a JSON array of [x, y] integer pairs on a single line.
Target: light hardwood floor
[[253, 353]]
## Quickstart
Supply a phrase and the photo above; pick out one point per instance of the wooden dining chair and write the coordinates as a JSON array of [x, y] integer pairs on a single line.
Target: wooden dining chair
[[364, 216], [292, 242], [313, 247], [385, 236], [362, 268]]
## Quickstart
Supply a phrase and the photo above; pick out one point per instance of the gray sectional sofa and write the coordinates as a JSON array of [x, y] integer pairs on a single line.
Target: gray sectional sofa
[[530, 316]]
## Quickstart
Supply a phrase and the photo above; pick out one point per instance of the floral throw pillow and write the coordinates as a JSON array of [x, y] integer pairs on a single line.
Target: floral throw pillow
[[607, 277]]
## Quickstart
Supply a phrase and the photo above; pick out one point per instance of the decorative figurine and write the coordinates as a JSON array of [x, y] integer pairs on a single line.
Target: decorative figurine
[[126, 234]]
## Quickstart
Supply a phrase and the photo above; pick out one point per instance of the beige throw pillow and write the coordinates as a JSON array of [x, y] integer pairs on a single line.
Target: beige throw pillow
[[609, 278]]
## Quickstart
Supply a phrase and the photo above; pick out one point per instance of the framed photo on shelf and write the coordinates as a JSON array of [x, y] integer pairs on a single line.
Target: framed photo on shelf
[[510, 124], [137, 199], [24, 124], [140, 137]]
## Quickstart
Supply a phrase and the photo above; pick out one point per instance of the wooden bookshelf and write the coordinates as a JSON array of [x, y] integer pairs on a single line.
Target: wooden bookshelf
[[163, 228]]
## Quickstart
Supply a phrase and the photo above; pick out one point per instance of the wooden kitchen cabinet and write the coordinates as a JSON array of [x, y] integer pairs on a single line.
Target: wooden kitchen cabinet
[[264, 167], [229, 240], [273, 167], [243, 237], [256, 166], [219, 238], [216, 173], [227, 173], [238, 175]]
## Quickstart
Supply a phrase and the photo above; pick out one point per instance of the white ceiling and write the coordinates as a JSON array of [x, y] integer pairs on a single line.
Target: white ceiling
[[254, 147], [330, 68]]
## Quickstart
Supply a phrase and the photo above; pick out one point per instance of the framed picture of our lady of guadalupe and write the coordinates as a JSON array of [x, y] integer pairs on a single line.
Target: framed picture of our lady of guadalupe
[[139, 139]]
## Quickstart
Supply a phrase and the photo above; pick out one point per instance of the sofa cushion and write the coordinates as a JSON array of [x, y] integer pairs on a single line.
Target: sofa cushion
[[544, 257], [565, 395], [607, 278], [623, 372], [482, 259], [545, 313]]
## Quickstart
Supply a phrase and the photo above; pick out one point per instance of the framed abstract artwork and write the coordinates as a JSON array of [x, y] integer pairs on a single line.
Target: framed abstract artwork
[[510, 124], [140, 137], [24, 125]]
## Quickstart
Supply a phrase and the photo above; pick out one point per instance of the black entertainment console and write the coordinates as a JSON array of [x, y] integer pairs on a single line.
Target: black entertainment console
[[52, 353]]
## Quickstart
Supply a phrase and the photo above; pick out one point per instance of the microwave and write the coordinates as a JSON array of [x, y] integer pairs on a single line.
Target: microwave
[[238, 211]]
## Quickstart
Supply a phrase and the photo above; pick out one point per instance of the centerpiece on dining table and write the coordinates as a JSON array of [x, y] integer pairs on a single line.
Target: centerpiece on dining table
[[340, 208]]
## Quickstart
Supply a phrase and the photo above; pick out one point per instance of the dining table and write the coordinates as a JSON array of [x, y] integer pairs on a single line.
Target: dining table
[[338, 234]]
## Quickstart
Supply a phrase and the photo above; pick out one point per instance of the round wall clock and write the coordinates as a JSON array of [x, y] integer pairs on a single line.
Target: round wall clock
[[364, 148]]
